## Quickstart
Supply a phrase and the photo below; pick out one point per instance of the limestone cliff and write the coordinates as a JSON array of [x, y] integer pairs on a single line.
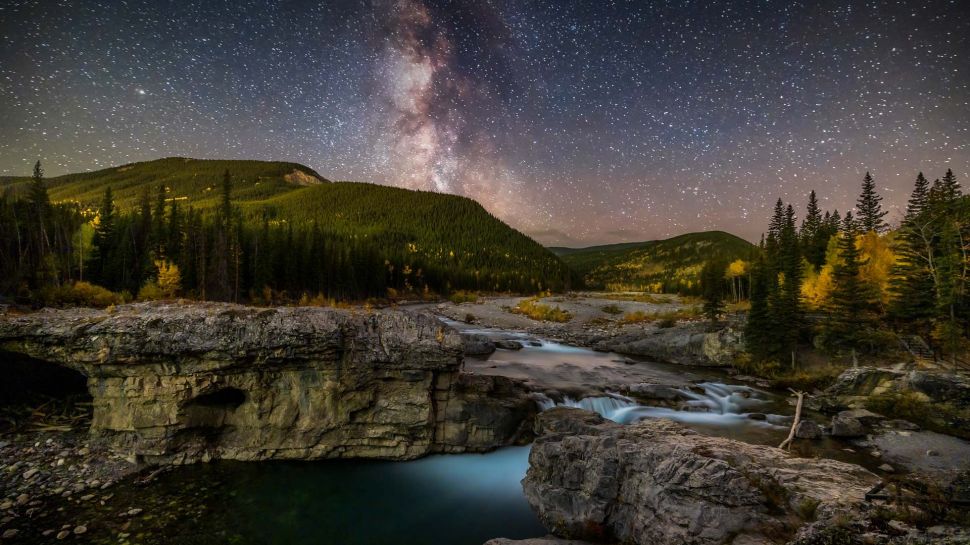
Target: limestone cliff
[[176, 383]]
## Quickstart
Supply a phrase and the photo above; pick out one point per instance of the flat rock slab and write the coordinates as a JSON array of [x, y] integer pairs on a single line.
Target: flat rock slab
[[924, 451]]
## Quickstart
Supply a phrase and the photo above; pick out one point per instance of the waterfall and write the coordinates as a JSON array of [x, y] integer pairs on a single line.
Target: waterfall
[[723, 404]]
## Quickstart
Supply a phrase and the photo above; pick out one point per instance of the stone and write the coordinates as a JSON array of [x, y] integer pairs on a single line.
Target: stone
[[887, 468], [757, 416], [134, 512], [686, 344], [22, 499], [507, 344], [659, 482], [30, 473], [10, 533], [660, 392], [80, 529], [846, 426], [63, 534], [808, 429], [477, 344], [177, 382]]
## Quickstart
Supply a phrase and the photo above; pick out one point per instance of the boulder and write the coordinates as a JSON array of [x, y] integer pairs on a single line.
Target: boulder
[[688, 344], [659, 392], [844, 425], [548, 540], [183, 382], [508, 344], [808, 429], [477, 344], [659, 482]]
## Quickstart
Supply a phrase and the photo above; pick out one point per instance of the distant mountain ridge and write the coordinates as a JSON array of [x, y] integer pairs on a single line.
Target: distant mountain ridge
[[669, 265]]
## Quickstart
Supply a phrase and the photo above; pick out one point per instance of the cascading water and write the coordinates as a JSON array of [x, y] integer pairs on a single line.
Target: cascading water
[[719, 404]]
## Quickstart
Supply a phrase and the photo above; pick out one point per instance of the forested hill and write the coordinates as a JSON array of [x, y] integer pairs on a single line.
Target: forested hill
[[195, 181], [270, 231], [671, 265]]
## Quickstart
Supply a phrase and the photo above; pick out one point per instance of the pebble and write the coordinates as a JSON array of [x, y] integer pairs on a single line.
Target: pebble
[[30, 473], [87, 497], [932, 452], [134, 512], [47, 533], [63, 534], [22, 499], [887, 468], [80, 529], [6, 505], [11, 533]]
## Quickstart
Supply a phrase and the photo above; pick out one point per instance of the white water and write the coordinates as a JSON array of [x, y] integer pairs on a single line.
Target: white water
[[720, 404]]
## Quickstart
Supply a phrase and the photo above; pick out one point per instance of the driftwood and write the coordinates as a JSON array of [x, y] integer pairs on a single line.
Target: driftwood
[[794, 425]]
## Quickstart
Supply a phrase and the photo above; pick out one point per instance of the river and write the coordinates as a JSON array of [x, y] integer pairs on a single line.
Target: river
[[453, 499]]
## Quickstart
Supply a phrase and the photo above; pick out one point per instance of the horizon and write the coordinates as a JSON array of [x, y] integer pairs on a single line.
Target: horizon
[[578, 124]]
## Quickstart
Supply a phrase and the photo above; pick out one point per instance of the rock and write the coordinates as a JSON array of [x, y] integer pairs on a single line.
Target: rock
[[808, 429], [932, 452], [507, 344], [63, 534], [659, 482], [80, 529], [757, 416], [29, 473], [688, 344], [6, 505], [185, 382], [10, 533], [480, 412], [23, 499], [477, 344], [660, 392], [846, 426], [867, 418], [134, 512]]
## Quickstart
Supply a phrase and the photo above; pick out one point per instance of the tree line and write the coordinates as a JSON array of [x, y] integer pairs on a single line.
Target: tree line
[[849, 285], [161, 248]]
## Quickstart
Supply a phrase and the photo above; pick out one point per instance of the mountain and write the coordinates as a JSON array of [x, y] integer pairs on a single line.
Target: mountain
[[671, 265], [300, 232], [195, 181]]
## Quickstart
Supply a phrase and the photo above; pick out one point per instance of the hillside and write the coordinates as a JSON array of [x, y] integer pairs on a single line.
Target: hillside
[[301, 233], [195, 181], [670, 265]]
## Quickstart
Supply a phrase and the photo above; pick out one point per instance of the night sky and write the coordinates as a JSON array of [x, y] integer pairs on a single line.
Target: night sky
[[577, 122]]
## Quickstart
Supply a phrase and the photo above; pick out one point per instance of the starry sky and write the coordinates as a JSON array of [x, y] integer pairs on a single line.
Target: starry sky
[[578, 122]]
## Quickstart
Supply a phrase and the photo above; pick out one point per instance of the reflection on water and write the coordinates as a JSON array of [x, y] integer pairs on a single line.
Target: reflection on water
[[455, 499]]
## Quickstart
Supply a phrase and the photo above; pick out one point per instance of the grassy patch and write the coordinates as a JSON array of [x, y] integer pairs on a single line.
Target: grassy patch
[[938, 417], [462, 296], [612, 309], [663, 319], [81, 294], [783, 376], [538, 311], [641, 298]]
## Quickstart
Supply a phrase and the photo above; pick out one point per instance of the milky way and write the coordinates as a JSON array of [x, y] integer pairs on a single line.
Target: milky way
[[577, 122]]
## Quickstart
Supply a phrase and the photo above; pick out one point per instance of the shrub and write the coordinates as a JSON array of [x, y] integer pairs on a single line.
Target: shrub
[[80, 294], [612, 309], [637, 317], [939, 417], [462, 296], [538, 311]]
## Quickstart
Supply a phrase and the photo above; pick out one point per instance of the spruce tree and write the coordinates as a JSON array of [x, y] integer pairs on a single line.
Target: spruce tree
[[851, 320], [912, 284], [758, 338], [712, 288], [869, 204], [813, 235], [103, 243]]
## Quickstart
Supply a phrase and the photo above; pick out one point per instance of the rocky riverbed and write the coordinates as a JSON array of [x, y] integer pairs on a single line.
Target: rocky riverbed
[[173, 384]]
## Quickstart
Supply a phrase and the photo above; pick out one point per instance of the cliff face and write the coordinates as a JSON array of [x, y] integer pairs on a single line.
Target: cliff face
[[176, 383]]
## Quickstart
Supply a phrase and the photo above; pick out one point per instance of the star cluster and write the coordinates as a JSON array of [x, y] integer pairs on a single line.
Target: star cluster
[[576, 121]]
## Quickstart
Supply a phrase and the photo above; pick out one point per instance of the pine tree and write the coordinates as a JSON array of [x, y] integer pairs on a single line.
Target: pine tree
[[871, 213], [757, 330], [912, 283], [712, 288], [103, 243], [813, 234], [851, 323]]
